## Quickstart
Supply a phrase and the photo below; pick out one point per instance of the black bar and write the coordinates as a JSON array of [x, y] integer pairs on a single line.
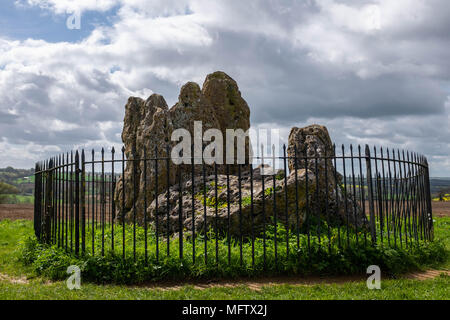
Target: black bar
[[275, 216], [193, 202], [67, 201], [337, 193], [263, 207], [180, 215], [134, 162], [429, 224], [296, 197], [327, 213], [354, 194], [345, 196], [307, 202], [370, 192], [379, 197], [204, 211], [228, 214], [216, 213], [145, 204], [77, 203], [317, 205], [102, 201], [168, 199], [123, 202], [386, 200], [71, 200], [363, 198], [93, 202], [286, 202], [83, 204], [252, 213], [113, 202], [156, 204], [240, 214]]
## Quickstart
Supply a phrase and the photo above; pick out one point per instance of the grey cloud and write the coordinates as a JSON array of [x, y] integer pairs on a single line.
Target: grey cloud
[[7, 118], [287, 85], [387, 87]]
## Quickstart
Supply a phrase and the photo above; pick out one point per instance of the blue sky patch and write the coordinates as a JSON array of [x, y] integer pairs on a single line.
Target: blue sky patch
[[21, 23]]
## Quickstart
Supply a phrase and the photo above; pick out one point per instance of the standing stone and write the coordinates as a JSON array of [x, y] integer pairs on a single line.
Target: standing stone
[[315, 151], [149, 125]]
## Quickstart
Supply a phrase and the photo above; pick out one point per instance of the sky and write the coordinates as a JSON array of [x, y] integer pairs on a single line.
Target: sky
[[375, 72]]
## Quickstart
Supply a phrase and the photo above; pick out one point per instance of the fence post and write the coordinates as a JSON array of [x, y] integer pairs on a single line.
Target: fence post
[[428, 199], [83, 200], [370, 193], [48, 214], [37, 202], [77, 203]]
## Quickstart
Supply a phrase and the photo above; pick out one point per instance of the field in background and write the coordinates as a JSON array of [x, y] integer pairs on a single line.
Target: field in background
[[445, 197], [22, 180], [25, 211], [18, 199], [16, 211]]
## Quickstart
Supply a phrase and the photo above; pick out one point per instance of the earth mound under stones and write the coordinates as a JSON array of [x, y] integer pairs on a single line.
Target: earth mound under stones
[[148, 127]]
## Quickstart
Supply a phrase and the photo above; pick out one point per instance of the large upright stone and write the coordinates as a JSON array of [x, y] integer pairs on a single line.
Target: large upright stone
[[223, 95], [148, 127], [314, 151], [312, 142]]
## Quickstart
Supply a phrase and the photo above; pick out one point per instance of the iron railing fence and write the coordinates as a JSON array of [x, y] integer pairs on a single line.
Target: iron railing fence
[[87, 207]]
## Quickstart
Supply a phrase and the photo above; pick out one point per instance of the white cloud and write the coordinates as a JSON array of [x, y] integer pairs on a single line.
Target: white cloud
[[373, 71], [65, 6]]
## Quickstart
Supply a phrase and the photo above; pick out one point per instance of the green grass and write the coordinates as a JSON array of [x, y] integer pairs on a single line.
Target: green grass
[[12, 233], [390, 289], [23, 180], [317, 259], [107, 265], [442, 233]]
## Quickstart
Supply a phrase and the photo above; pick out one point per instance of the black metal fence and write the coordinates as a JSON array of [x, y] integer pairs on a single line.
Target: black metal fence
[[91, 206]]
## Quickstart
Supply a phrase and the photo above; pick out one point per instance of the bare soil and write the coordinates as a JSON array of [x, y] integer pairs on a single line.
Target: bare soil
[[255, 284], [441, 208], [25, 211], [16, 211], [258, 283]]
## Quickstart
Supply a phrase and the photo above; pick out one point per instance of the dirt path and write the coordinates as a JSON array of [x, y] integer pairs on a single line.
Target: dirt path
[[258, 284], [255, 284], [14, 280], [425, 275]]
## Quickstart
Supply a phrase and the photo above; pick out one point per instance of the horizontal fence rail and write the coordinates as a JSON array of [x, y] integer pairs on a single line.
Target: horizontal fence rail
[[95, 203]]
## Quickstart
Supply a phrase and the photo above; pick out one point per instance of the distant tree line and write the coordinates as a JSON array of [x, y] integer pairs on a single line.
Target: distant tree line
[[6, 190], [10, 175], [15, 183]]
